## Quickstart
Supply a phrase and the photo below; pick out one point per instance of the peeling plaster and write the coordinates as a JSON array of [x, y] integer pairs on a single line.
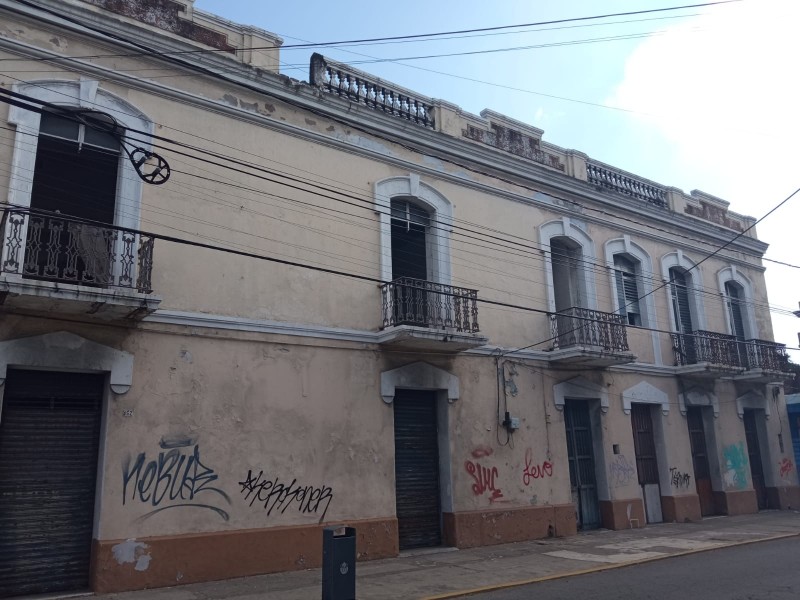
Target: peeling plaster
[[132, 552]]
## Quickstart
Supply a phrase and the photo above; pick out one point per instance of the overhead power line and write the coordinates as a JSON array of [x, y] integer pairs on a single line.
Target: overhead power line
[[693, 267], [527, 246], [555, 257], [578, 42], [300, 265], [417, 36]]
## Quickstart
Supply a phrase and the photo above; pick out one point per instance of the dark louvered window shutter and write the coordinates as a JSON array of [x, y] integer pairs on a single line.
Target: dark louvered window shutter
[[680, 301], [734, 300], [627, 289]]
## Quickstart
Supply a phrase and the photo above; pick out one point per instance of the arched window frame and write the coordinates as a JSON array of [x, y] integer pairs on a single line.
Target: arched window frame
[[566, 227], [732, 274], [695, 275], [644, 264], [78, 94], [88, 95], [441, 213]]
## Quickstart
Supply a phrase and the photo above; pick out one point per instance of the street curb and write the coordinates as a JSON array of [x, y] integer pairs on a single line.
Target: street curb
[[607, 567]]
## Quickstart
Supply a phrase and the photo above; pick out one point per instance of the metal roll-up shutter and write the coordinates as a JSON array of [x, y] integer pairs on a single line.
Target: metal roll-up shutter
[[49, 438], [417, 469]]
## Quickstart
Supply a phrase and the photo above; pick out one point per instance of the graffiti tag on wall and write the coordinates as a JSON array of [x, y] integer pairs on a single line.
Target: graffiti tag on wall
[[622, 472], [482, 452], [786, 467], [679, 479], [735, 475], [174, 479], [484, 478], [535, 471], [279, 497]]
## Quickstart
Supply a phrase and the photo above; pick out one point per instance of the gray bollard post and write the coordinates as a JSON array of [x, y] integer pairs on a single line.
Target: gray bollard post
[[339, 563]]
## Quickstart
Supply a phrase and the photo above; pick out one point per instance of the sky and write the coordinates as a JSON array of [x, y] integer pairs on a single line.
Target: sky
[[700, 98]]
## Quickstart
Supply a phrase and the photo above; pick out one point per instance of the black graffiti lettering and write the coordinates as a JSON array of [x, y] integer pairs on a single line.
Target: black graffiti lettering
[[143, 484], [678, 478], [279, 497], [172, 476], [165, 466]]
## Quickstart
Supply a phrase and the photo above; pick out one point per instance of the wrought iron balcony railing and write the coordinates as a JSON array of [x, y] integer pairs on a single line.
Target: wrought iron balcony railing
[[584, 327], [729, 351], [63, 250], [625, 183], [767, 356], [408, 301], [708, 347]]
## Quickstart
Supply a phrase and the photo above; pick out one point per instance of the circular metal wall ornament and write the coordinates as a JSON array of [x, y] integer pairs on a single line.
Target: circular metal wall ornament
[[156, 173]]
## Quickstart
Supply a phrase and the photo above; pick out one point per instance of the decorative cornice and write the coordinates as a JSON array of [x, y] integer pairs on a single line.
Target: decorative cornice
[[362, 336], [211, 321]]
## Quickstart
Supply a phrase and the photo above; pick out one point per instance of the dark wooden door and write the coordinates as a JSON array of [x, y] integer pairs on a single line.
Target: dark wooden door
[[646, 462], [702, 473], [417, 469], [754, 456], [580, 452]]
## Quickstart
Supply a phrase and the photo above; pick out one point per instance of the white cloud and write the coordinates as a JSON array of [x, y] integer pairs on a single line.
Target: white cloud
[[723, 87]]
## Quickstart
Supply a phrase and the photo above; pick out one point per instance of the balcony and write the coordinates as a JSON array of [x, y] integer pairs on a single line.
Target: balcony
[[422, 314], [589, 337], [706, 354], [766, 362], [59, 265]]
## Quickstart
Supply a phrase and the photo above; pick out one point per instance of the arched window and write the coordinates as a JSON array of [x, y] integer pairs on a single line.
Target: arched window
[[734, 298], [416, 223], [410, 232], [569, 255], [80, 148], [627, 287], [64, 167], [569, 288], [683, 276], [76, 168], [681, 292], [737, 295]]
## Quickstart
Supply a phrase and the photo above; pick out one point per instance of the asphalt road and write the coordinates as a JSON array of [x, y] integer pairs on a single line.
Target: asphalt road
[[767, 570]]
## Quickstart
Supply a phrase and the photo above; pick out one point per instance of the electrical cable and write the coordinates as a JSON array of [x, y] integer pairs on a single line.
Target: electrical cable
[[670, 282], [572, 202], [418, 36], [556, 261], [293, 263], [715, 293]]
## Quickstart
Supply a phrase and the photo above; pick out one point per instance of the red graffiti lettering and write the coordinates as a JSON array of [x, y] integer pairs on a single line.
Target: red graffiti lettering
[[533, 471], [482, 452], [786, 467], [484, 480]]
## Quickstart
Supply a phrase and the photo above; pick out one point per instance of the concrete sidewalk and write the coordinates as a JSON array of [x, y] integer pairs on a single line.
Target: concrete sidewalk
[[448, 573]]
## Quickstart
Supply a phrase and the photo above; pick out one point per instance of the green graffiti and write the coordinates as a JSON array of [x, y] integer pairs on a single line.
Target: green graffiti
[[735, 474]]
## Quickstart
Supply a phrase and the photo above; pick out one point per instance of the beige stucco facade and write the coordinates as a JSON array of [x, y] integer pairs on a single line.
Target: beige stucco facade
[[250, 400]]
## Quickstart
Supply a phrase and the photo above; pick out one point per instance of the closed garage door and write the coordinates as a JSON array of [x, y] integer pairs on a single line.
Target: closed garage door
[[417, 469], [49, 437]]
